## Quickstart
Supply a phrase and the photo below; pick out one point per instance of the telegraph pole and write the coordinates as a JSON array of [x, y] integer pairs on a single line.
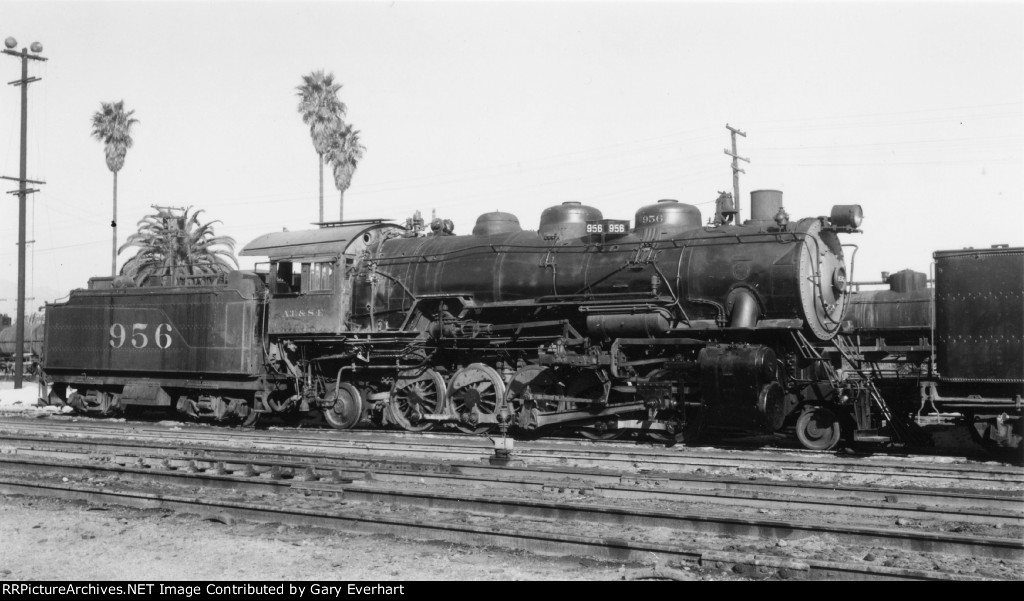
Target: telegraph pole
[[22, 192], [736, 171]]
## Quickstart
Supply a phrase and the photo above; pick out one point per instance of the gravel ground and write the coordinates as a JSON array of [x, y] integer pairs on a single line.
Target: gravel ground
[[45, 539]]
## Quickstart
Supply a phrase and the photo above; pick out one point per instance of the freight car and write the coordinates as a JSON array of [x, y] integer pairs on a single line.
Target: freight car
[[955, 351], [31, 349], [669, 327]]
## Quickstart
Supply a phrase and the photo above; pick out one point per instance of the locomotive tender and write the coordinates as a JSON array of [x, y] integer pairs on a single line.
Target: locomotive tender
[[669, 327]]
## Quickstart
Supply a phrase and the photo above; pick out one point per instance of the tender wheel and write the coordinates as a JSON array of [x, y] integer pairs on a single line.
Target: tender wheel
[[476, 386], [105, 404], [414, 394], [58, 395], [251, 419], [818, 429], [347, 407]]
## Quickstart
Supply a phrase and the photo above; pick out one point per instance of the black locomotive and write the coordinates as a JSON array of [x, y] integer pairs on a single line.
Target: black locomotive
[[953, 352], [669, 327]]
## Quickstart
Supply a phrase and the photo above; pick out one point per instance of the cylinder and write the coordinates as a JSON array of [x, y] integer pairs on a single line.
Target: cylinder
[[738, 384], [765, 204]]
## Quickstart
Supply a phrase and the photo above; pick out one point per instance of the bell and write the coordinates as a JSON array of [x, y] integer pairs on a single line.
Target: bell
[[782, 218]]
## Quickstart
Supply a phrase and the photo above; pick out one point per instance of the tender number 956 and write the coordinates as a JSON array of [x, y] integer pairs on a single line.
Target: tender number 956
[[139, 337]]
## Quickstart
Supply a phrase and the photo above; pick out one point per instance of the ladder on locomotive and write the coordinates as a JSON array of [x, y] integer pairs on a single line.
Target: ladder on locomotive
[[905, 429]]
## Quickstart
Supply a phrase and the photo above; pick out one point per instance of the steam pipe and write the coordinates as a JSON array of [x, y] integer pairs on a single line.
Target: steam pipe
[[744, 309]]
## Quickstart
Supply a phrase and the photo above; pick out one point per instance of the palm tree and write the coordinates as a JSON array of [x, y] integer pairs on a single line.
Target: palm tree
[[175, 247], [321, 110], [113, 126], [344, 155]]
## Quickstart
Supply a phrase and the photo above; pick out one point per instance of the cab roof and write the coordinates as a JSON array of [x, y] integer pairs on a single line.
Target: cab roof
[[330, 240]]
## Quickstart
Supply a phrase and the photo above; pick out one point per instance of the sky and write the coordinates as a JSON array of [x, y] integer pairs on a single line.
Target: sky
[[913, 110]]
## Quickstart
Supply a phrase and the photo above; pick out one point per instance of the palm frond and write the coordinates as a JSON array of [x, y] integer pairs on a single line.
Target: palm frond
[[344, 154], [172, 244], [112, 126], [320, 107]]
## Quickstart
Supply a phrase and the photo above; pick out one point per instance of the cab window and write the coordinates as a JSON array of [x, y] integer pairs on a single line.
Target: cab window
[[317, 276], [300, 277]]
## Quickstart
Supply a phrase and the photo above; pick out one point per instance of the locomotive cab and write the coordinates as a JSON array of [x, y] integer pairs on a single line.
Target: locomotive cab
[[304, 295], [311, 275]]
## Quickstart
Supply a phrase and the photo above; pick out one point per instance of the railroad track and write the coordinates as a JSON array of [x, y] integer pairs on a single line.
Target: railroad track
[[529, 540], [461, 519], [582, 494], [901, 471], [761, 443], [1006, 508]]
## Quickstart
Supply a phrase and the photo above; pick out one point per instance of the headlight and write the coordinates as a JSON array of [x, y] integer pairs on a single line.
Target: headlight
[[846, 216]]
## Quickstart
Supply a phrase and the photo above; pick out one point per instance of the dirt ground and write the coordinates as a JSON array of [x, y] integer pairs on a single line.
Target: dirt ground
[[47, 539]]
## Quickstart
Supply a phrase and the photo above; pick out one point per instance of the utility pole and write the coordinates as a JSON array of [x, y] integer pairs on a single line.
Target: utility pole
[[22, 192], [736, 171]]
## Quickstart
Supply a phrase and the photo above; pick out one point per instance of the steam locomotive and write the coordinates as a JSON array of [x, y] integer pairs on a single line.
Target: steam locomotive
[[953, 352], [670, 327]]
